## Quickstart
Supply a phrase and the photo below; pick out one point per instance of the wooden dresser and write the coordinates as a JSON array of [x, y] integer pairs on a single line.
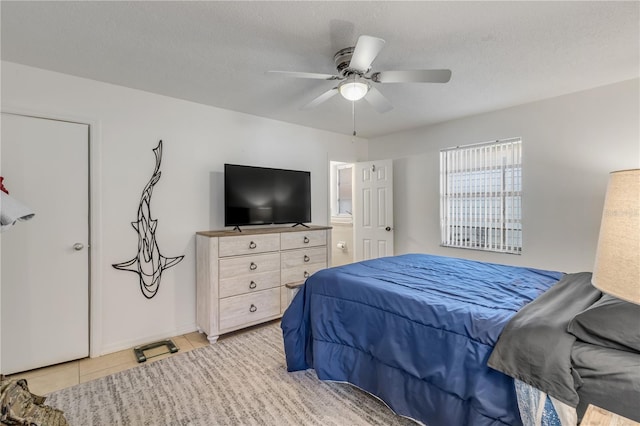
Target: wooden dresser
[[241, 276]]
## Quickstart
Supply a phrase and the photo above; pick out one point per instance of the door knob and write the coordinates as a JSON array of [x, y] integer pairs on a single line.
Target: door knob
[[78, 246], [388, 228]]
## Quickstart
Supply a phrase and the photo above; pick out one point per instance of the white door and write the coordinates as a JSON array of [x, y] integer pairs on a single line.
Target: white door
[[373, 209], [45, 260]]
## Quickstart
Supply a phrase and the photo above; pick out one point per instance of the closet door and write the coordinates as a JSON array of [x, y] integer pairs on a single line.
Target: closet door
[[45, 260]]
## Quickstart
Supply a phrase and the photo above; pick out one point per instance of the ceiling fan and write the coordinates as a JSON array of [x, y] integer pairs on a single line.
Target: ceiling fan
[[354, 64]]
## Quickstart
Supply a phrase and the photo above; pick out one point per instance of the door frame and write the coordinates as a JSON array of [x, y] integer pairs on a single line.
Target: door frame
[[333, 165], [95, 217]]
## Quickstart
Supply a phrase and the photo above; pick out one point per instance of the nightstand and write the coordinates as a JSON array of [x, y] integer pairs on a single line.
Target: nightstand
[[596, 416]]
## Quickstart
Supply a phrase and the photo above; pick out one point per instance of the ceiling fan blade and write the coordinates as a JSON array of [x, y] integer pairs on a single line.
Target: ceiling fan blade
[[320, 99], [413, 76], [313, 75], [366, 50], [378, 101]]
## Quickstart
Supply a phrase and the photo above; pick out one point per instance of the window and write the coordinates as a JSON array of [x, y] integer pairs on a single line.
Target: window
[[481, 196]]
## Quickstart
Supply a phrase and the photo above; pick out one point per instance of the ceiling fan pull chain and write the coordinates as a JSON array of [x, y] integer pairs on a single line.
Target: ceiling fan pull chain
[[353, 114]]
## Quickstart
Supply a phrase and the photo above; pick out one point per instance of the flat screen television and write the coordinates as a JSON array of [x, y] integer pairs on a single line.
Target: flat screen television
[[264, 196]]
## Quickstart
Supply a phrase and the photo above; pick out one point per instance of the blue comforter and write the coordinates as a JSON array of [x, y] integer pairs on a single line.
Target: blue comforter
[[416, 331]]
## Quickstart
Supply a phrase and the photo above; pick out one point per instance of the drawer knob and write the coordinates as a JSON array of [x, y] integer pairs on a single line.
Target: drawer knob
[[306, 240], [252, 245], [253, 285], [253, 308], [306, 274], [306, 258], [253, 266]]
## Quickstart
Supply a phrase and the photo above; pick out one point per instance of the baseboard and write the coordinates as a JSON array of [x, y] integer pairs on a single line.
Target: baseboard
[[129, 344]]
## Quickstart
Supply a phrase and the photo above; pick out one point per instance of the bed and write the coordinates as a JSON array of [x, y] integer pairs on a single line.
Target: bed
[[417, 332]]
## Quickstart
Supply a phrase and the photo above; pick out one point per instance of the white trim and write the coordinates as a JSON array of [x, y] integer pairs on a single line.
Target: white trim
[[95, 215], [130, 343]]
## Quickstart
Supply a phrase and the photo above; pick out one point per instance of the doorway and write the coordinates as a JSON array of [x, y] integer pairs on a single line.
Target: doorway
[[341, 212], [361, 210]]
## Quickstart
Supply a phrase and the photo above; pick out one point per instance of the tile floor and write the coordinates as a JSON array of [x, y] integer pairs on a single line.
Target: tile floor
[[48, 379]]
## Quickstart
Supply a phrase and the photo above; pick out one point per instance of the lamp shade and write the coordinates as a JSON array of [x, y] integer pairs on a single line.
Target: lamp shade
[[617, 267], [353, 89]]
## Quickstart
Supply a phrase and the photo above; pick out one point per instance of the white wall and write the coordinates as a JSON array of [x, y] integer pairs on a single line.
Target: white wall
[[198, 140], [570, 144]]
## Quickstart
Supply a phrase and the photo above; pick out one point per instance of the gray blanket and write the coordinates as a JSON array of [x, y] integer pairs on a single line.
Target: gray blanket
[[535, 347]]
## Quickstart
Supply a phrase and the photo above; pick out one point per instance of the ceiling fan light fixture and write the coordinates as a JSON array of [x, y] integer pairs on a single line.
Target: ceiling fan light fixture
[[353, 89]]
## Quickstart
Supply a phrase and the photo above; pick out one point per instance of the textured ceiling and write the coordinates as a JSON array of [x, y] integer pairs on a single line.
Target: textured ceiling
[[216, 53]]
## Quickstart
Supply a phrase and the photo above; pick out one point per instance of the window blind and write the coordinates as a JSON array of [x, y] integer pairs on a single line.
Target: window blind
[[481, 196]]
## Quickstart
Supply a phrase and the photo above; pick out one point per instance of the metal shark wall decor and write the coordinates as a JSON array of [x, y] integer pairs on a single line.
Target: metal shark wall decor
[[148, 262]]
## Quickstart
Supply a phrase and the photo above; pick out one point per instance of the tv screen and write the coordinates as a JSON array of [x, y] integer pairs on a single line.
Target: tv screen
[[263, 196]]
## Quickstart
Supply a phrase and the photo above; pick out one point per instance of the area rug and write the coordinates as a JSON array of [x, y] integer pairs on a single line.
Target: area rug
[[241, 380]]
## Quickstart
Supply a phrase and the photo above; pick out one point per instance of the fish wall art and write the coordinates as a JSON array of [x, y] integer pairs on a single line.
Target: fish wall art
[[148, 262]]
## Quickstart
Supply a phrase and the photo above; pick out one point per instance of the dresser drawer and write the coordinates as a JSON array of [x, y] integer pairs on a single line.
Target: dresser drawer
[[248, 265], [249, 283], [301, 273], [249, 308], [248, 244], [302, 257], [293, 240]]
